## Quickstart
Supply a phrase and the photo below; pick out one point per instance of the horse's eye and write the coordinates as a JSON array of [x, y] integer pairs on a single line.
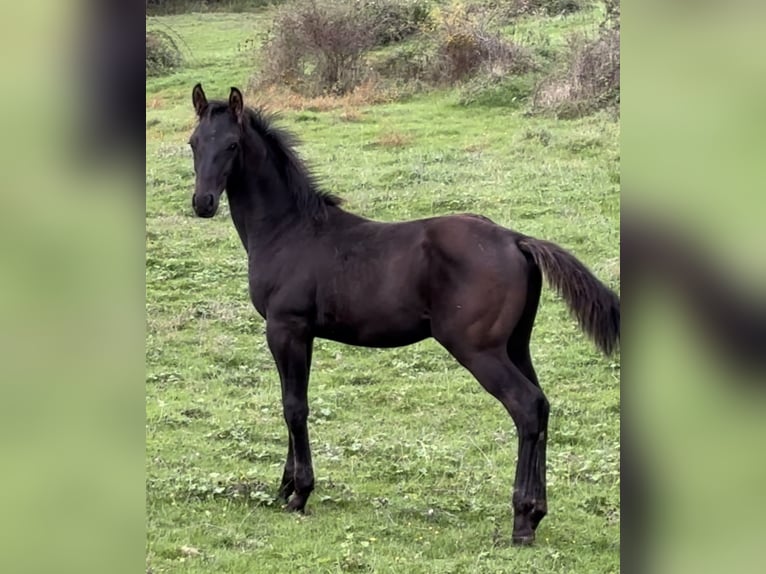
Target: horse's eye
[[232, 147]]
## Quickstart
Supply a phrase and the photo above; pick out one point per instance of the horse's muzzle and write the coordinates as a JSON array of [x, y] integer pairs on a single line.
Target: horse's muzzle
[[205, 205]]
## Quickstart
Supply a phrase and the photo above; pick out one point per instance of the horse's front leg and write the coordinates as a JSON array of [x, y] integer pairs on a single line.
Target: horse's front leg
[[290, 343], [287, 486]]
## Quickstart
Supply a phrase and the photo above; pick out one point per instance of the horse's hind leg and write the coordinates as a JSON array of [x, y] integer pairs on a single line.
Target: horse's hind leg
[[518, 352], [523, 362], [528, 408], [518, 343]]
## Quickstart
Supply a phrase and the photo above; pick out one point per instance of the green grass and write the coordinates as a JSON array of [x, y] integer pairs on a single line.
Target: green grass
[[414, 461]]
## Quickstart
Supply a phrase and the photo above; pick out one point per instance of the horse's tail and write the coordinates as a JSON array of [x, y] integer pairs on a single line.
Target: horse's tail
[[594, 305]]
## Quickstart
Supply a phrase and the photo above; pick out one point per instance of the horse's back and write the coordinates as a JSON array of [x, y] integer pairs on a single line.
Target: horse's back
[[472, 238]]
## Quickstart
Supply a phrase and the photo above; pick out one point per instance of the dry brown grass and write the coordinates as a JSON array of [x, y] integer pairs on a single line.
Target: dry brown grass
[[476, 147], [350, 114], [279, 98], [554, 91], [394, 139]]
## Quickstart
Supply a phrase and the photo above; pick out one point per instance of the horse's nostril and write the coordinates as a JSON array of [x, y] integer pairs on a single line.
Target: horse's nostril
[[210, 201]]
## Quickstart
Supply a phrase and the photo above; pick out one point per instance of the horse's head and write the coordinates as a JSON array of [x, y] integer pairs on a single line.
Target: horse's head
[[216, 144]]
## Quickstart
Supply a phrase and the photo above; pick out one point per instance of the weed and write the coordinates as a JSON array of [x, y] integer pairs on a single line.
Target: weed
[[394, 139]]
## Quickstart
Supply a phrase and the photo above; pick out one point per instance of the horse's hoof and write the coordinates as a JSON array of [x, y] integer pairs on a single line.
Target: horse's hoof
[[523, 540], [537, 515], [296, 504], [284, 495]]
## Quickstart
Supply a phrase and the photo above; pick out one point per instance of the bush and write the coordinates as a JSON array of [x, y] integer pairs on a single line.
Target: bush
[[465, 46], [161, 7], [396, 20], [591, 80], [410, 62], [162, 53], [547, 7], [316, 48], [612, 19], [322, 47]]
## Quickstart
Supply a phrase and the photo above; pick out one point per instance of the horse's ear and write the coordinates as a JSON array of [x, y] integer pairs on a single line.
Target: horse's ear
[[236, 104], [199, 100]]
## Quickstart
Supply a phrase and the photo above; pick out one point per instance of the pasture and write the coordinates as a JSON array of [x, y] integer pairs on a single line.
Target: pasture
[[414, 460]]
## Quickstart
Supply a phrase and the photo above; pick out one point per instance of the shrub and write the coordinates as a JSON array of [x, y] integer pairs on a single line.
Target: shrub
[[396, 20], [158, 7], [410, 62], [465, 46], [317, 47], [591, 80], [547, 7], [162, 53], [323, 47], [612, 19]]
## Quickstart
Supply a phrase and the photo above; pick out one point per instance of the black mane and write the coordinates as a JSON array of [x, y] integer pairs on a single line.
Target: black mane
[[300, 181]]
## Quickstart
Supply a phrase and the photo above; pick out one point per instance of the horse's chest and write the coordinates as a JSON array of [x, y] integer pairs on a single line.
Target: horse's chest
[[258, 295], [279, 287]]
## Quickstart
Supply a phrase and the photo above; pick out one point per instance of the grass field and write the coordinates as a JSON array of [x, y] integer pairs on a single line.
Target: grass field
[[414, 461]]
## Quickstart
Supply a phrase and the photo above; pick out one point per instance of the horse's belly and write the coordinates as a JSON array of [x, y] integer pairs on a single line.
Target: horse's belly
[[374, 321], [387, 310], [381, 336]]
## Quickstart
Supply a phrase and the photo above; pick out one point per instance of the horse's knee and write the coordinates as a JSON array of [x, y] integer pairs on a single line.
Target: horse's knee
[[296, 411]]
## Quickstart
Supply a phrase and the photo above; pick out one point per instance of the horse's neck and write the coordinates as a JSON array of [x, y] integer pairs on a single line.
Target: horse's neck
[[238, 216], [260, 209]]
